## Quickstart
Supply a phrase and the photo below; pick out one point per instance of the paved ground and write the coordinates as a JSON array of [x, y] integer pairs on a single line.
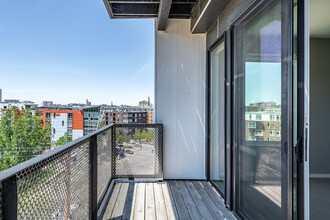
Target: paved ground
[[141, 161]]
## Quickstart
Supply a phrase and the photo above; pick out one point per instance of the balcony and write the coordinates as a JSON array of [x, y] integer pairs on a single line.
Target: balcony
[[115, 172]]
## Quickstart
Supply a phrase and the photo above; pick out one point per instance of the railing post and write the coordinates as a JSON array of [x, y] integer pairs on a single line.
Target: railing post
[[160, 150], [9, 198], [113, 151], [93, 182]]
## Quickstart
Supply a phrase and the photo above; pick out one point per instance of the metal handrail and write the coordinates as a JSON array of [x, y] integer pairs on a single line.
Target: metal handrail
[[41, 158]]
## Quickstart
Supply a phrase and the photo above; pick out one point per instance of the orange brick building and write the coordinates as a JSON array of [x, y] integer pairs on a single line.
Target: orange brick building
[[64, 121]]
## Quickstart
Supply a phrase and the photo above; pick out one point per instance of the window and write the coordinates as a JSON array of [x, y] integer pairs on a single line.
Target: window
[[47, 115], [62, 123], [278, 133], [70, 115], [70, 124], [272, 133], [274, 125], [54, 114], [268, 125], [278, 118], [54, 131], [70, 131], [271, 117], [258, 117], [252, 125]]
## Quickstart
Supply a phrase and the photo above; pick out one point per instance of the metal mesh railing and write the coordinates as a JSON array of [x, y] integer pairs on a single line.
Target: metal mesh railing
[[138, 151], [71, 181], [103, 163], [56, 188]]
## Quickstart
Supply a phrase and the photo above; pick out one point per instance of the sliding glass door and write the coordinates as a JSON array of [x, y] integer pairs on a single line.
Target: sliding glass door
[[262, 103], [217, 116]]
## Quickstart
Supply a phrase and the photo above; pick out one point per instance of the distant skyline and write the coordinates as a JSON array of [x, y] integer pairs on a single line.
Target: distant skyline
[[70, 52]]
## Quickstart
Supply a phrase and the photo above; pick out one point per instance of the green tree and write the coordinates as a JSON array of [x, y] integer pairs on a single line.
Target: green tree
[[63, 140], [120, 137], [138, 135], [22, 137], [150, 136]]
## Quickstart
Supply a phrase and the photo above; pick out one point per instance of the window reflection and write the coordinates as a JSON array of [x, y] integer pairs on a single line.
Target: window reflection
[[263, 101]]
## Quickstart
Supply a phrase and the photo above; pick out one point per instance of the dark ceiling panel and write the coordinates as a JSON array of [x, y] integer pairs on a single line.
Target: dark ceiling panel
[[134, 9], [148, 8]]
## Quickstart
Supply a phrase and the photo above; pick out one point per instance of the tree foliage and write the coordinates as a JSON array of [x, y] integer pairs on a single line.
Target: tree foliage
[[145, 135], [22, 137], [63, 140], [121, 137]]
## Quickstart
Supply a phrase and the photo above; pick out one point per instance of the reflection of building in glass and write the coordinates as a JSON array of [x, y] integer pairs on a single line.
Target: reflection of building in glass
[[263, 122]]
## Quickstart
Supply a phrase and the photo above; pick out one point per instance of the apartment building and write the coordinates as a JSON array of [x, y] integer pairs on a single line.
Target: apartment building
[[93, 118], [63, 121], [128, 115], [150, 117], [19, 105]]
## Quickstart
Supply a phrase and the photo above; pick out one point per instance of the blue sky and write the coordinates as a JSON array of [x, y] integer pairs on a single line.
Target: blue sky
[[263, 82], [68, 51]]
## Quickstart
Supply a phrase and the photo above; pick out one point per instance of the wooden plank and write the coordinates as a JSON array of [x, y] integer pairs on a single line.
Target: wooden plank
[[160, 202], [169, 204], [217, 214], [150, 202], [178, 200], [133, 202], [112, 202], [139, 201], [129, 202], [120, 203], [203, 209], [217, 200], [191, 206]]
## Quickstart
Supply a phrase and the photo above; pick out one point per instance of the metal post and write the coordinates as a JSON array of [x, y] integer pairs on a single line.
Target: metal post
[[9, 198], [113, 150], [93, 182]]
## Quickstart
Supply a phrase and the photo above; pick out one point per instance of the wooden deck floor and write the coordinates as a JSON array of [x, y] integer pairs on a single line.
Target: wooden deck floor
[[166, 200]]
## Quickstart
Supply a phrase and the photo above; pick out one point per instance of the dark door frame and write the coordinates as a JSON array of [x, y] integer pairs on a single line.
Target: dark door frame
[[230, 145], [220, 40], [287, 86], [302, 146]]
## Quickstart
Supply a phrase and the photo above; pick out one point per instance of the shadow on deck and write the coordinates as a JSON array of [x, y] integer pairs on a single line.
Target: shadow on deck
[[165, 200]]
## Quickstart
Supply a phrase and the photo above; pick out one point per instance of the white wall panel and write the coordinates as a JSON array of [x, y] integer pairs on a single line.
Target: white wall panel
[[59, 123], [77, 134], [180, 99]]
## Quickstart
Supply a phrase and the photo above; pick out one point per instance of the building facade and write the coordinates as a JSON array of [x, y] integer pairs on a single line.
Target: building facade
[[62, 122]]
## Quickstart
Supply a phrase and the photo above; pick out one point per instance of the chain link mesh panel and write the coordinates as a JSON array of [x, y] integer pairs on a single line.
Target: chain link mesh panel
[[57, 188], [138, 151], [103, 163]]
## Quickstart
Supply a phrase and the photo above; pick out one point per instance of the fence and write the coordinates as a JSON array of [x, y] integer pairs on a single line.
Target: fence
[[70, 182]]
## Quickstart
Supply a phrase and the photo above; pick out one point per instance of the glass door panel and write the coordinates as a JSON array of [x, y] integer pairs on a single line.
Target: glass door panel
[[217, 117], [259, 95]]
